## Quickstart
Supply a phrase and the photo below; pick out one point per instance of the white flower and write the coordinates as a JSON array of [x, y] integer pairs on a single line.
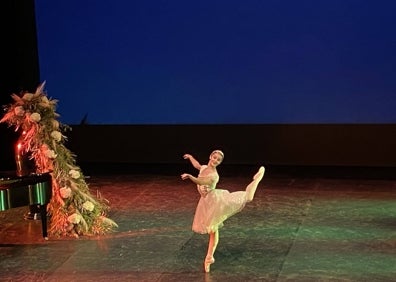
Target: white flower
[[50, 154], [27, 96], [44, 102], [35, 117], [55, 124], [74, 173], [65, 192], [74, 218], [88, 206], [19, 111], [56, 135]]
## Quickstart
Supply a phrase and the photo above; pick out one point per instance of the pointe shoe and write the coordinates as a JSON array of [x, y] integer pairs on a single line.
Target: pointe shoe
[[260, 174], [207, 263]]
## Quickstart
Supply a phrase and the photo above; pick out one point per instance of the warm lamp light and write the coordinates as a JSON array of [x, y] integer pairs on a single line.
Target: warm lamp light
[[24, 165], [20, 167]]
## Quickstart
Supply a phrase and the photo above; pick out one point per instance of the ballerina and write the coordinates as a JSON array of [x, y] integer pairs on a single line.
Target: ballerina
[[216, 205]]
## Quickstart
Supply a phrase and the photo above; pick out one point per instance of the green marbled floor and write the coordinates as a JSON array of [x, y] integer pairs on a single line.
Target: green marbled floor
[[298, 228]]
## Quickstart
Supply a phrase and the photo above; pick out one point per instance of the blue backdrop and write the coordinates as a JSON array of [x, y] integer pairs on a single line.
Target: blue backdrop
[[219, 62]]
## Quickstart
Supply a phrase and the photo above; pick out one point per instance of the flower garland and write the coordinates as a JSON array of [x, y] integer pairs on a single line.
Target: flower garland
[[72, 209]]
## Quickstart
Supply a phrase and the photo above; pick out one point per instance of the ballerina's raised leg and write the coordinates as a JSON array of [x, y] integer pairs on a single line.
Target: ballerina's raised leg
[[251, 188]]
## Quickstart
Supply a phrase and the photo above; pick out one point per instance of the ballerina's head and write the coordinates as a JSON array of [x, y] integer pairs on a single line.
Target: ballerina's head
[[216, 157]]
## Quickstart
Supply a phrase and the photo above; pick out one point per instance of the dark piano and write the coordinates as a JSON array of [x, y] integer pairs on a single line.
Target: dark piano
[[33, 189]]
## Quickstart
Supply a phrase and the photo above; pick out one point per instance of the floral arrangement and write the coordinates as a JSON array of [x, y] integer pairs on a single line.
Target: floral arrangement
[[73, 210]]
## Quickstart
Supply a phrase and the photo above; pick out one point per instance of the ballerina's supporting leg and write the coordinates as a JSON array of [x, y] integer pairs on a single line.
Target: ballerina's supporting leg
[[251, 188], [213, 241]]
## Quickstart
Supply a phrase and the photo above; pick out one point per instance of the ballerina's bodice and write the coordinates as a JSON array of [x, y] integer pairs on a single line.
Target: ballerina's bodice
[[205, 189]]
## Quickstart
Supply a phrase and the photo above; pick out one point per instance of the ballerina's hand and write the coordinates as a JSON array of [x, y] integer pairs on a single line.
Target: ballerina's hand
[[187, 156], [185, 176]]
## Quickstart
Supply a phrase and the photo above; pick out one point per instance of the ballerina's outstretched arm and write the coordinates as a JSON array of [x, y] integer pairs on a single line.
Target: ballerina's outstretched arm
[[198, 180], [193, 161]]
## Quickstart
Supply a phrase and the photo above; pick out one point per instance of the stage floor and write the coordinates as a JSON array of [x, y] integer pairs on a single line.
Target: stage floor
[[300, 227]]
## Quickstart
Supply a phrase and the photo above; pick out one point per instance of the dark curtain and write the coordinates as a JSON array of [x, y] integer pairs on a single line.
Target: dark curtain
[[19, 64]]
